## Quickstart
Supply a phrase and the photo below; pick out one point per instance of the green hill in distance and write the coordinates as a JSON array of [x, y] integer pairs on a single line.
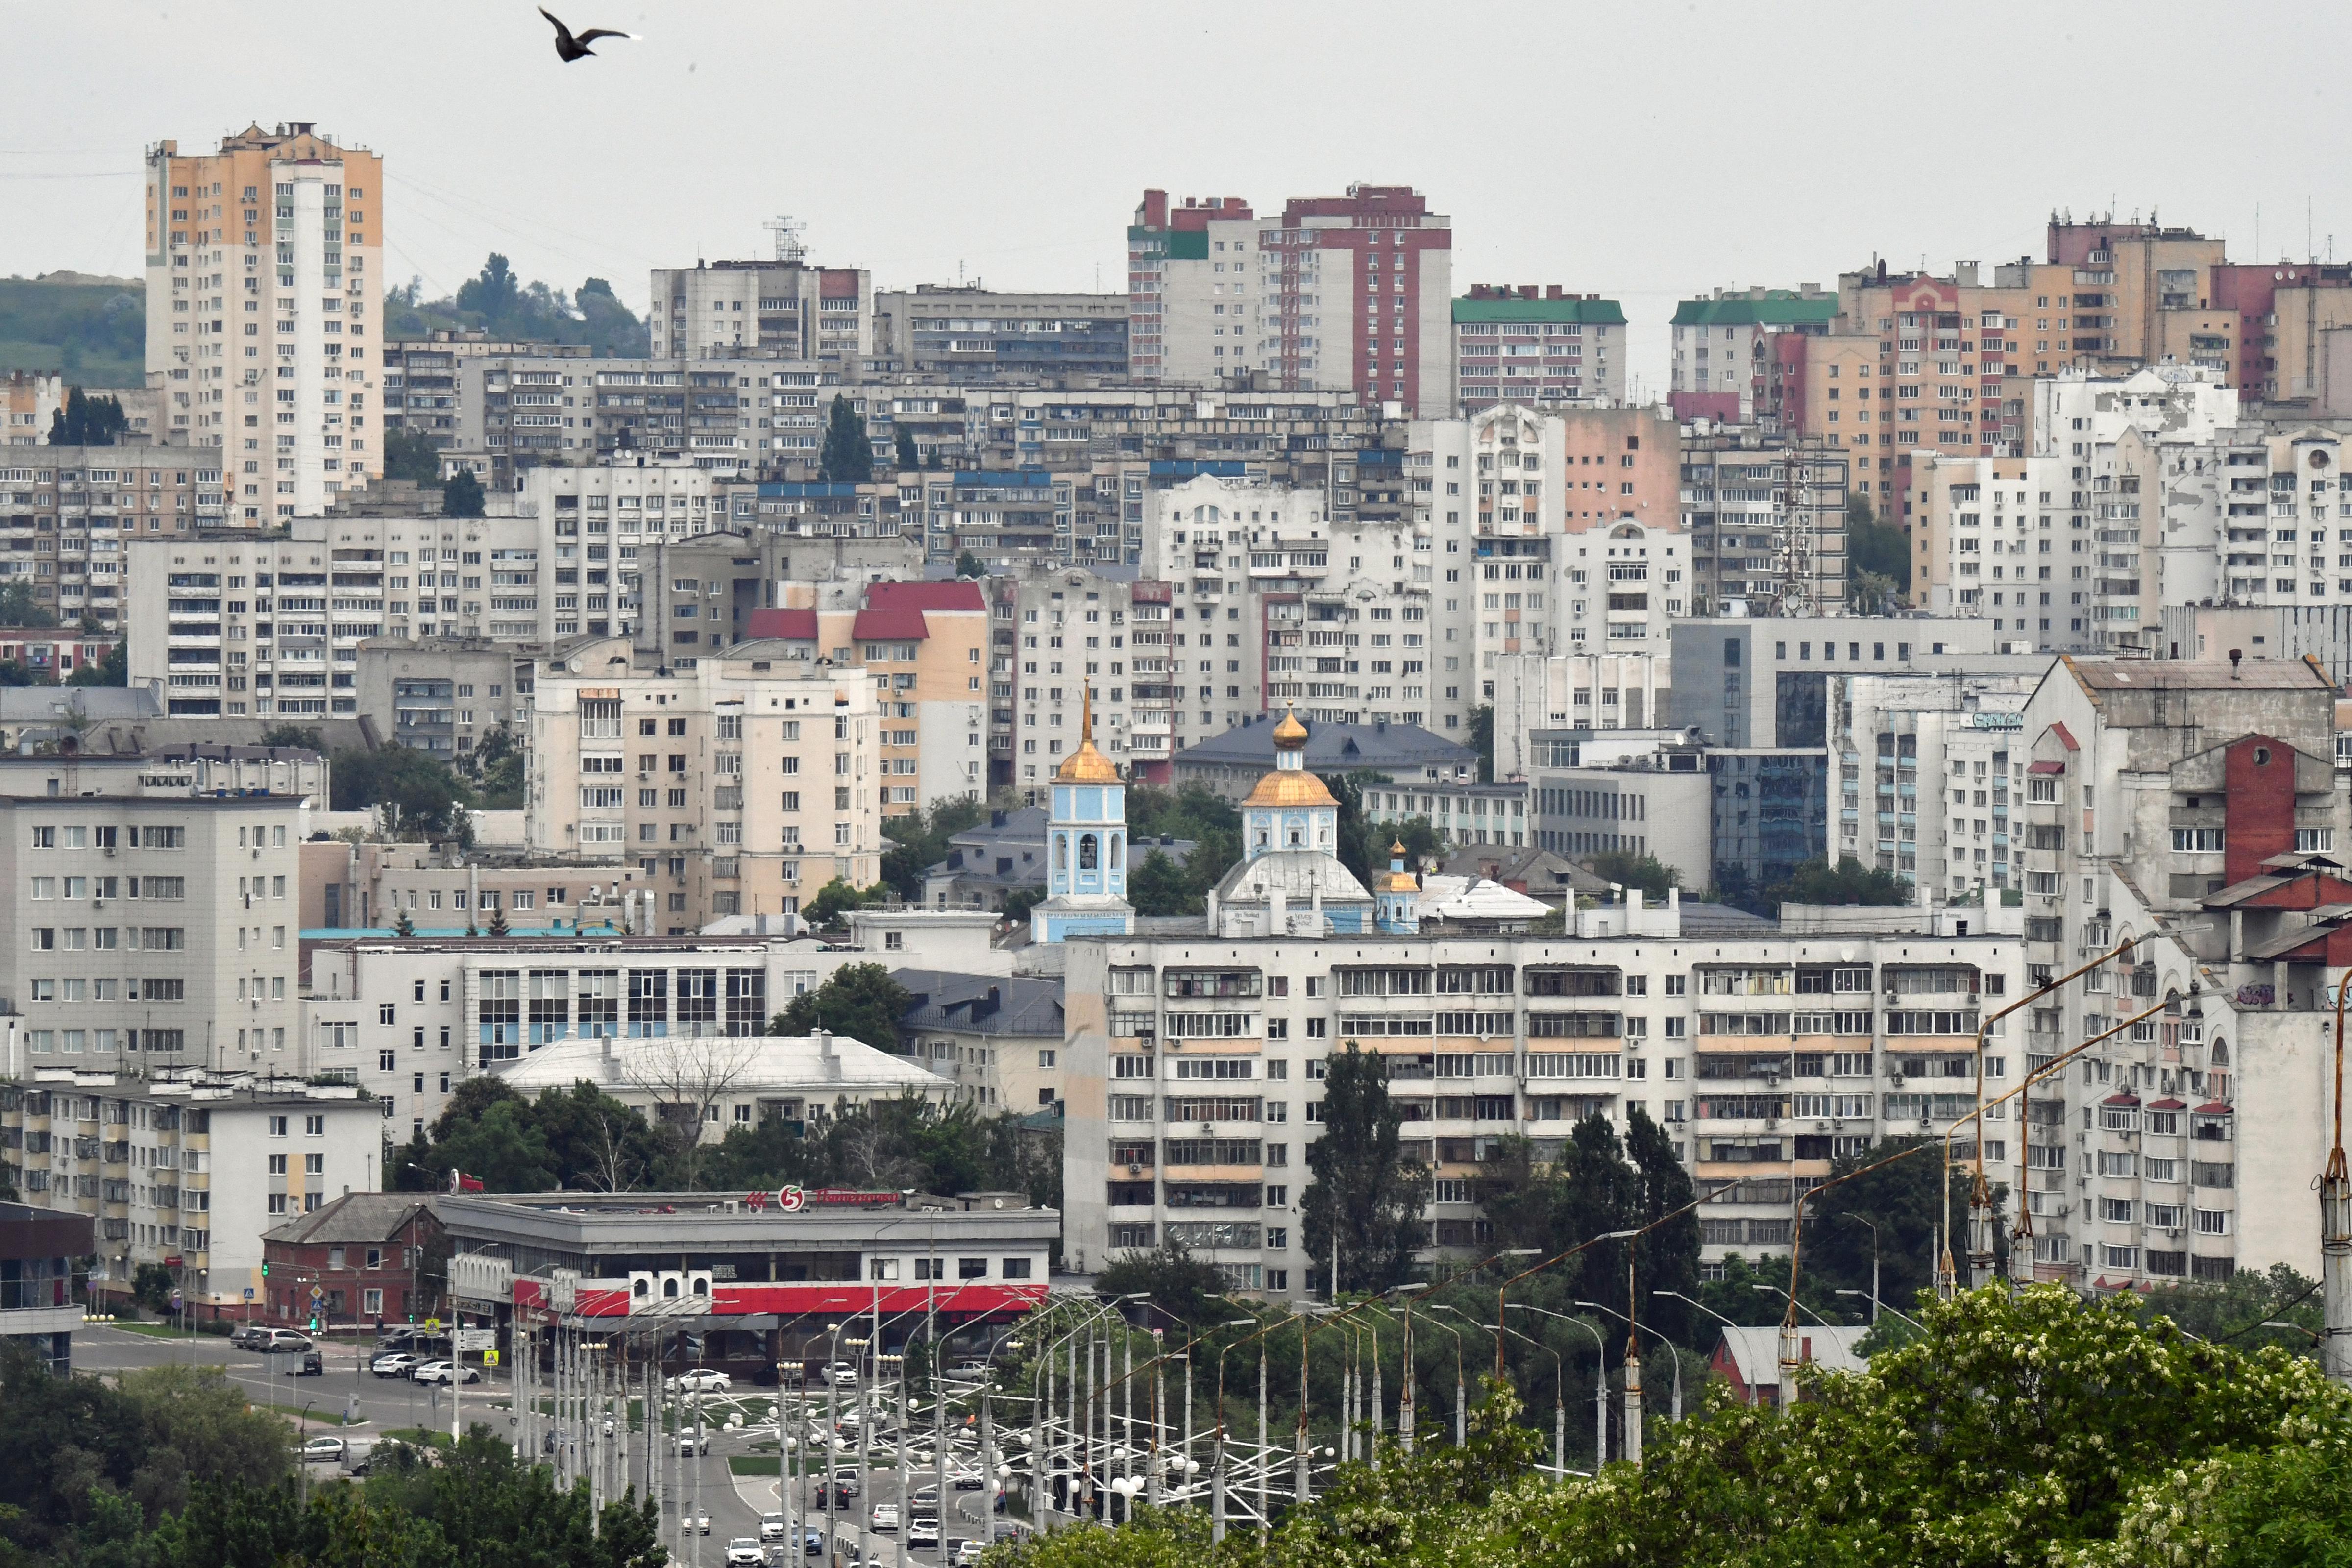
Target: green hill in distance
[[94, 328]]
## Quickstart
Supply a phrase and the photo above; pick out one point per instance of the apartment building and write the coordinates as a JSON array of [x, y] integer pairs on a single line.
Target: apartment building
[[1219, 296], [1597, 688], [68, 511], [40, 1252], [183, 1169], [1512, 346], [1191, 1060], [444, 695], [426, 390], [1938, 758], [1723, 348], [232, 625], [998, 1038], [592, 525], [780, 309], [2218, 849], [276, 239], [975, 336], [30, 401], [1767, 522], [1746, 682], [741, 786], [1648, 794], [440, 890], [1057, 634], [924, 646], [159, 929]]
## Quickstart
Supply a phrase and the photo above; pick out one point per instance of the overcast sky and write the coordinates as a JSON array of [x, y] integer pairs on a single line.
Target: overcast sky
[[1645, 152]]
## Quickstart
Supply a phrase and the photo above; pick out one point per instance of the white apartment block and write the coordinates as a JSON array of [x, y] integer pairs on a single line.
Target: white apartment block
[[1927, 776], [264, 270], [762, 309], [186, 1171], [1597, 688], [69, 511], [1193, 1066], [151, 932], [1510, 346], [1054, 635], [233, 624], [2009, 541], [737, 787], [592, 525]]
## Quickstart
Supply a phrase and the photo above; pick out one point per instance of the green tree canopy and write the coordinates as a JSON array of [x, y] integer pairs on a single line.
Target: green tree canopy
[[908, 457], [20, 606], [410, 455], [462, 496], [419, 794], [114, 670], [1652, 876], [1155, 886], [1175, 1281], [87, 421], [857, 1000], [919, 841], [1366, 1193], [848, 456]]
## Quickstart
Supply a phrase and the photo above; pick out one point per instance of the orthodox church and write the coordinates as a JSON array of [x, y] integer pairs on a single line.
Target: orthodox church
[[1288, 882]]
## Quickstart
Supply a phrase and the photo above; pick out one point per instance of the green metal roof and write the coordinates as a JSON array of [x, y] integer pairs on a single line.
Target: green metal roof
[[1777, 307], [1600, 312]]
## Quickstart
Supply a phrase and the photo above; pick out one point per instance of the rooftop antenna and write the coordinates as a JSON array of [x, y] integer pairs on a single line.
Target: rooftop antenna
[[786, 232]]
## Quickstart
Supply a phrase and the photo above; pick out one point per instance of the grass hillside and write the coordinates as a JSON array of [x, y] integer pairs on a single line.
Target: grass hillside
[[95, 333]]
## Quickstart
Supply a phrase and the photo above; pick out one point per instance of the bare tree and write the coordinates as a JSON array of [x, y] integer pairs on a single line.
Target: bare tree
[[686, 1076]]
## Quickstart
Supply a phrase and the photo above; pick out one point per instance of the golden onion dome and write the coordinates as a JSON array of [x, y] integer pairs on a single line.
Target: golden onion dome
[[1290, 732], [1398, 882], [1290, 786], [1086, 765]]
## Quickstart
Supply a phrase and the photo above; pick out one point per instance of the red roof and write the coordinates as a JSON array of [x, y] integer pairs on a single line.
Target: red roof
[[2214, 1108], [2065, 737], [2045, 767], [889, 625], [2168, 1104], [961, 594], [793, 626], [2127, 1097]]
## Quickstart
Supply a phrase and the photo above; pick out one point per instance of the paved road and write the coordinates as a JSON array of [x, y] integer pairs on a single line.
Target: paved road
[[384, 1401]]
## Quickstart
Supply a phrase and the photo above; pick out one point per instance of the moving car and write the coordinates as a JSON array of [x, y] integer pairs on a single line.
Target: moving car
[[277, 1342], [691, 1521], [812, 1543], [399, 1364], [973, 1371], [322, 1451], [886, 1516], [967, 1478], [772, 1527], [841, 1375], [445, 1371], [701, 1380], [313, 1365], [743, 1551], [691, 1443], [969, 1551], [247, 1336], [922, 1531]]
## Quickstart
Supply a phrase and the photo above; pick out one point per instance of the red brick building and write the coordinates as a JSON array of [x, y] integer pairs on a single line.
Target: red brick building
[[369, 1256]]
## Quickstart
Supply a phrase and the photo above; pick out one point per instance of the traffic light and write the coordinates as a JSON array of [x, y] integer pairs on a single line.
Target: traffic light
[[265, 1270]]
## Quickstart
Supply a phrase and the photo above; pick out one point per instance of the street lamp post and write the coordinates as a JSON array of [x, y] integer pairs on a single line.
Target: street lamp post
[[1874, 1306], [1558, 1400], [1711, 1313], [1872, 1223]]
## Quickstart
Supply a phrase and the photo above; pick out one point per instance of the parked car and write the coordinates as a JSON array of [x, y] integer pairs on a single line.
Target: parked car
[[694, 1443], [968, 1552], [692, 1522], [247, 1336], [399, 1364], [974, 1371], [322, 1451], [743, 1551], [701, 1380], [922, 1531], [772, 1527], [277, 1342], [886, 1516], [445, 1372], [841, 1375]]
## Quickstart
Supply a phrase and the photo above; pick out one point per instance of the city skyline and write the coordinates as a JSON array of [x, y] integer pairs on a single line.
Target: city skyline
[[876, 197]]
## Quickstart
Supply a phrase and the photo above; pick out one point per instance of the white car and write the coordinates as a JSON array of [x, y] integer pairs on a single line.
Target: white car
[[886, 1516], [397, 1365], [772, 1527], [317, 1450], [970, 1371], [445, 1371], [694, 1443], [745, 1553], [692, 1522], [841, 1375], [922, 1533], [701, 1380], [969, 1552]]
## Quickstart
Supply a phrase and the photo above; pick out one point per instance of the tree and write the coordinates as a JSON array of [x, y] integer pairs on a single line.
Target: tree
[[410, 455], [686, 1076], [114, 670], [1652, 876], [86, 421], [1482, 740], [1021, 901], [497, 769], [498, 922], [2235, 1310], [848, 456], [19, 606], [1365, 1192], [1174, 1280], [462, 496], [416, 792], [1878, 558], [494, 292], [857, 1000], [1157, 886], [293, 735], [970, 566], [908, 458], [151, 1288], [919, 841], [1814, 883], [837, 898], [1902, 1200]]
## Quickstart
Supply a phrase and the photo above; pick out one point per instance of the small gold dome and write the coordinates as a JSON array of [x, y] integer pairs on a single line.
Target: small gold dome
[[1289, 786], [1290, 732], [1086, 765], [1398, 882]]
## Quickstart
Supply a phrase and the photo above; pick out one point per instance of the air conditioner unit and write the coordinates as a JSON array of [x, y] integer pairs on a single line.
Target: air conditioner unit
[[1134, 1170]]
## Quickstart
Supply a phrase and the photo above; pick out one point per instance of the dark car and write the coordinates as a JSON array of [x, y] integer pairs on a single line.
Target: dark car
[[312, 1366]]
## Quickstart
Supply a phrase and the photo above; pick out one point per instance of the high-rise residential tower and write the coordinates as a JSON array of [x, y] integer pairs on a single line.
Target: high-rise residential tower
[[264, 261]]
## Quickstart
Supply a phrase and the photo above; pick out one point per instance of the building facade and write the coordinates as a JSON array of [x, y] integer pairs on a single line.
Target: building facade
[[1510, 346]]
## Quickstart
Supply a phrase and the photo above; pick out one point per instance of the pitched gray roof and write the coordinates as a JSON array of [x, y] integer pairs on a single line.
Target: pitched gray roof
[[1332, 748], [987, 1004], [365, 1218]]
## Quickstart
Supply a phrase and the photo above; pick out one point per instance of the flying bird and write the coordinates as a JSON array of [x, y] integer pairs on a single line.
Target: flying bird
[[569, 48]]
